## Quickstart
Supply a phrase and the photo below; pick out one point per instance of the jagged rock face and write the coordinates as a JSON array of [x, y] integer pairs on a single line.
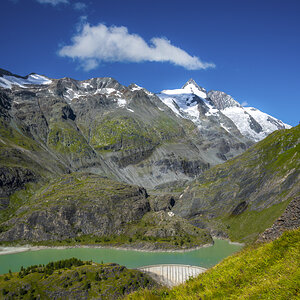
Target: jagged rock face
[[289, 220], [103, 127], [221, 100], [74, 205], [11, 180]]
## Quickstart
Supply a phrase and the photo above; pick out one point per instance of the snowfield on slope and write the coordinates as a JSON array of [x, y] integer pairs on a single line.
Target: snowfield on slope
[[7, 81]]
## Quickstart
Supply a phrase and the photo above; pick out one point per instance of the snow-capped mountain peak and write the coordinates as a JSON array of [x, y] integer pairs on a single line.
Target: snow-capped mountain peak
[[7, 80], [219, 107], [193, 88]]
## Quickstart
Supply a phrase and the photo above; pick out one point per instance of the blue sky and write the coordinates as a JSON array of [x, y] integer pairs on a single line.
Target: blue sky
[[247, 48]]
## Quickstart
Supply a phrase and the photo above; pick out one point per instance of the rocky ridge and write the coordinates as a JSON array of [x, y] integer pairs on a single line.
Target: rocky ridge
[[89, 209], [289, 220]]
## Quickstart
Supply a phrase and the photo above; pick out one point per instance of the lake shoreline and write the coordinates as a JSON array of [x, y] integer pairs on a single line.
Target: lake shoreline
[[25, 248], [13, 258]]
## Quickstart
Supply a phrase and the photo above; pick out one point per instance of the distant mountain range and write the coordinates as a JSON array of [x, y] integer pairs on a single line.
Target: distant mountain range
[[127, 133], [104, 133]]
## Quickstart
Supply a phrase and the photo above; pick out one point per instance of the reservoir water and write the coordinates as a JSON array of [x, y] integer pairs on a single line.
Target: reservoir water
[[204, 257]]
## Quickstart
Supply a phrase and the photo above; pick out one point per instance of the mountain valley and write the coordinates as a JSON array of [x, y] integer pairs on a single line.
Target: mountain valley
[[97, 163]]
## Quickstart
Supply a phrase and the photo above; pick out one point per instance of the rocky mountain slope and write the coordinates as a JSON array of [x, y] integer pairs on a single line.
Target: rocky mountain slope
[[82, 208], [244, 196], [53, 126], [289, 220]]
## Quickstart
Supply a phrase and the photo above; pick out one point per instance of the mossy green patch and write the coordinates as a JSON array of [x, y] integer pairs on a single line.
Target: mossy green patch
[[11, 136], [17, 199], [126, 133], [66, 139]]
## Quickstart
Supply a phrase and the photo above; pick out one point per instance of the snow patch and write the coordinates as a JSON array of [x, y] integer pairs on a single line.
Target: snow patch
[[241, 118], [7, 81], [86, 85], [267, 122], [223, 126], [121, 102]]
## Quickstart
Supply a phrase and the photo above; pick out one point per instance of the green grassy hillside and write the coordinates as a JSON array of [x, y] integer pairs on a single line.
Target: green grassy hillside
[[267, 271]]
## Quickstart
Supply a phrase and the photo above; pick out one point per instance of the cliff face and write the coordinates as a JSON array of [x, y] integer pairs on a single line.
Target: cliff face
[[77, 204], [90, 209], [289, 220]]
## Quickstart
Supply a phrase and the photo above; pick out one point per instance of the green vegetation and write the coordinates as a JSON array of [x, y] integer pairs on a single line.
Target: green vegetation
[[126, 133], [166, 232], [247, 226], [137, 240], [268, 271], [73, 278], [10, 137], [81, 187], [67, 139], [17, 199]]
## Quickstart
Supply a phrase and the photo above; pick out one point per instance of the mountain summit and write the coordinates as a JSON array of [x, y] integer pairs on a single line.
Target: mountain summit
[[192, 87], [195, 103]]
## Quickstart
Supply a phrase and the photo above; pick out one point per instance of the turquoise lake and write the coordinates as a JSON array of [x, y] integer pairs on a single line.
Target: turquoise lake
[[204, 257]]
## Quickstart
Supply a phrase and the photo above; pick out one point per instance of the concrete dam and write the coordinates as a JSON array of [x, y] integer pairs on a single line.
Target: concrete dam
[[172, 274]]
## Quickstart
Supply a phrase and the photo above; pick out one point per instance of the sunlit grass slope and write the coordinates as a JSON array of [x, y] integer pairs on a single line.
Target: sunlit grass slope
[[268, 271]]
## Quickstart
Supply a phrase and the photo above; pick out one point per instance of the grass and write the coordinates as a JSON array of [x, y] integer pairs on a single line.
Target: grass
[[17, 199], [267, 271], [247, 226]]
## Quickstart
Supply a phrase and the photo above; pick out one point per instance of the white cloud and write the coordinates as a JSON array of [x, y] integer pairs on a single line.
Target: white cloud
[[79, 5], [95, 44], [244, 103], [53, 2]]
